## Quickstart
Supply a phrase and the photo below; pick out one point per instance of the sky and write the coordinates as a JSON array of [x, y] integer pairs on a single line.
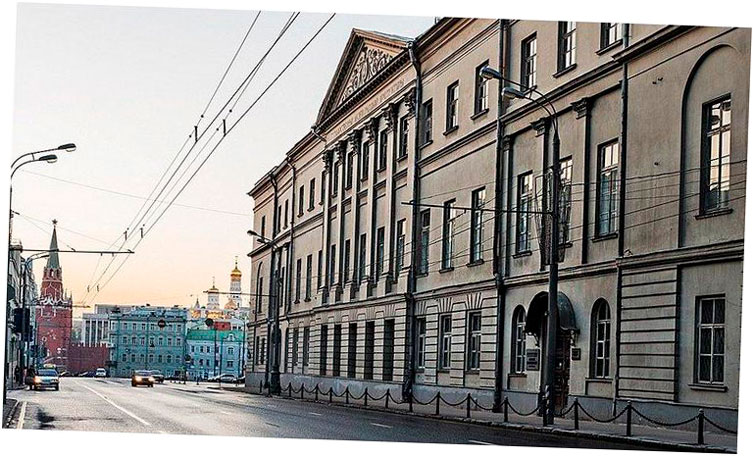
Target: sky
[[127, 85]]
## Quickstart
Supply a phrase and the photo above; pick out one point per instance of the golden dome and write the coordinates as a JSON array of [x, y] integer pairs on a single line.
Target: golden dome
[[236, 273]]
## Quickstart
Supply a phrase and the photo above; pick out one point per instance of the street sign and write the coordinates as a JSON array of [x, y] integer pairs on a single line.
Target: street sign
[[161, 323]]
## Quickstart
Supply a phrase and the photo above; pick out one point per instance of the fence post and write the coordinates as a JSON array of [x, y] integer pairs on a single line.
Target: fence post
[[302, 390], [261, 387], [437, 404], [700, 427], [329, 393], [411, 403], [290, 392], [387, 398], [316, 392], [347, 394], [505, 409], [366, 396], [628, 417], [576, 407]]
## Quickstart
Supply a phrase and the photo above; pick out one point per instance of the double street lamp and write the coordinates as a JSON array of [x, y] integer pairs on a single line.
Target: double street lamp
[[549, 367]]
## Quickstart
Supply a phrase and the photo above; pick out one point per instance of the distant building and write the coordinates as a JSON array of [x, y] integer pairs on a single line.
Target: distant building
[[215, 352], [95, 327]]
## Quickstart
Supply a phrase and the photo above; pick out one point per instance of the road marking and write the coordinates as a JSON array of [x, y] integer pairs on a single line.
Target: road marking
[[481, 442], [315, 414], [118, 406], [380, 425], [21, 416], [227, 413], [162, 431]]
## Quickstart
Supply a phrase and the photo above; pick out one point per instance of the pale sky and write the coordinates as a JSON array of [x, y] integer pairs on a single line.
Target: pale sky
[[127, 85]]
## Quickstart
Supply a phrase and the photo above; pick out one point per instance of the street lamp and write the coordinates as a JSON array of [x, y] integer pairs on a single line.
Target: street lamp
[[273, 326], [24, 337], [211, 324], [554, 213]]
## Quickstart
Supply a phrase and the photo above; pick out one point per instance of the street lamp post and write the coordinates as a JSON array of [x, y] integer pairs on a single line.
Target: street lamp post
[[24, 337], [554, 213], [274, 372]]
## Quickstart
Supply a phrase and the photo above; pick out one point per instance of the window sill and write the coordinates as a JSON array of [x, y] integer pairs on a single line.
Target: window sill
[[709, 387], [446, 270], [475, 263], [565, 70], [401, 157], [607, 236], [443, 370], [479, 114], [599, 380], [609, 47], [425, 144], [521, 254], [382, 168], [714, 213], [472, 371], [450, 130], [517, 375]]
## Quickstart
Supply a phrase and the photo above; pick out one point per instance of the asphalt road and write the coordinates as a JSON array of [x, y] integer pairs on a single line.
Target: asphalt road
[[112, 405]]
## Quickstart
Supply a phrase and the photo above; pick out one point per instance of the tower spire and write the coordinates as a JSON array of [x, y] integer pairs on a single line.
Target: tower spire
[[53, 261]]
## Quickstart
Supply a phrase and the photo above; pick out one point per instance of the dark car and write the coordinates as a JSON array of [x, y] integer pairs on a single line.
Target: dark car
[[158, 376], [142, 378], [46, 378]]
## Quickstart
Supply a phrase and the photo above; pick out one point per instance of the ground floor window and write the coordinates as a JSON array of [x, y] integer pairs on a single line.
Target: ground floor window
[[710, 340], [352, 334]]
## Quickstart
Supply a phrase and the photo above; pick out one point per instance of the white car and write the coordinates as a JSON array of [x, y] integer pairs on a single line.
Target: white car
[[100, 373]]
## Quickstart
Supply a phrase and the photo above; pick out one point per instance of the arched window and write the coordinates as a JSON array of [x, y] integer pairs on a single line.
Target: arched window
[[518, 341], [600, 363]]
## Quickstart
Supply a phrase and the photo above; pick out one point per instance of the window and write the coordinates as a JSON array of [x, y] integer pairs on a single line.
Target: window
[[262, 353], [404, 132], [421, 342], [335, 184], [322, 188], [481, 90], [477, 224], [388, 349], [566, 179], [710, 340], [352, 334], [380, 252], [349, 170], [523, 242], [448, 229], [319, 269], [312, 185], [451, 107], [716, 155], [601, 340], [365, 161], [475, 340], [262, 226], [332, 265], [294, 349], [230, 350], [566, 45], [260, 291], [446, 338], [323, 350], [424, 243], [298, 280], [285, 215], [229, 364], [308, 285], [369, 350], [305, 344], [362, 256], [607, 203], [169, 358], [301, 201], [609, 34], [529, 62], [346, 259], [427, 122], [336, 342], [382, 157], [400, 245], [518, 346]]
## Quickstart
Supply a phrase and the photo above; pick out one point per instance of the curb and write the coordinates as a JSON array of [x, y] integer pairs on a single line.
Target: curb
[[11, 412], [660, 445]]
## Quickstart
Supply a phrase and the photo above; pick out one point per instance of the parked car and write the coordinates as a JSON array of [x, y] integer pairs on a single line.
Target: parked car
[[158, 376], [45, 378], [142, 378], [226, 377], [100, 373]]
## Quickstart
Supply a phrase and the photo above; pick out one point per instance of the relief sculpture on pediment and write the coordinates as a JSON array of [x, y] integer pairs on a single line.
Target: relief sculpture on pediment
[[369, 62]]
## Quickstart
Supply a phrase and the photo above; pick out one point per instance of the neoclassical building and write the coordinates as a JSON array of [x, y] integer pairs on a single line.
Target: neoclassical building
[[406, 236]]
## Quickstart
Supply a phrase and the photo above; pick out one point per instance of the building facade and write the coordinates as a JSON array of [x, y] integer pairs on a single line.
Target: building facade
[[406, 237], [215, 352]]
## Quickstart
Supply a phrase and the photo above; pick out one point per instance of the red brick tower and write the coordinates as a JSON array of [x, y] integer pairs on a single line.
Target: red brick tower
[[54, 309]]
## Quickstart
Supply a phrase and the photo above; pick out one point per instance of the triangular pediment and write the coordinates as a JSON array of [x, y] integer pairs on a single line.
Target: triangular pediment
[[366, 54]]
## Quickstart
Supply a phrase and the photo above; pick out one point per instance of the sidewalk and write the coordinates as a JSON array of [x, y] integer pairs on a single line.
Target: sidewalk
[[665, 438], [8, 407]]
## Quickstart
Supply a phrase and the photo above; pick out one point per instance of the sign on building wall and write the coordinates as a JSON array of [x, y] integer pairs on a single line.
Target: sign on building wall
[[532, 360]]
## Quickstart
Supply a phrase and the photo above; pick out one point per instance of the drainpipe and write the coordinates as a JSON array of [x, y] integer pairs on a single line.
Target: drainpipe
[[273, 275], [410, 355], [291, 232], [498, 252]]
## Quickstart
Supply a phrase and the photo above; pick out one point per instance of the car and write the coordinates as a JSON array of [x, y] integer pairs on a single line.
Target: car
[[158, 376], [46, 377], [142, 378], [225, 377], [100, 373]]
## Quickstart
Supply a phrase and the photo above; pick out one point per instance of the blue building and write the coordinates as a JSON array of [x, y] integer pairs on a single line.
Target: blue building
[[214, 352]]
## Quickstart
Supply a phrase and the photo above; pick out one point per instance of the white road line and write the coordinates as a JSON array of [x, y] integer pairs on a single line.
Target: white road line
[[118, 406], [21, 416], [481, 442], [315, 414], [380, 425]]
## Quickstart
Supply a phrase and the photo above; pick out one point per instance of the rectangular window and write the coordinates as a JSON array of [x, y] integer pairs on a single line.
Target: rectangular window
[[319, 269], [312, 185], [305, 344], [322, 187], [369, 350], [421, 342], [353, 330], [362, 256], [451, 107], [349, 170], [262, 225], [308, 294], [323, 350], [332, 265], [481, 90], [346, 259], [716, 155], [474, 343], [336, 342], [294, 350], [335, 184], [365, 161], [424, 243], [710, 340], [566, 45], [609, 34], [446, 338], [382, 158], [388, 349], [400, 246], [263, 353], [285, 215], [566, 181], [380, 253], [404, 135], [286, 350], [529, 62], [301, 201], [477, 224], [607, 203], [448, 232], [426, 112], [523, 242]]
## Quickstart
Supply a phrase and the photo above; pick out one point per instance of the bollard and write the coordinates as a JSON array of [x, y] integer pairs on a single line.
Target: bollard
[[329, 393], [387, 397], [290, 393], [347, 394], [437, 404], [576, 407], [468, 405], [366, 395], [316, 392], [411, 403], [261, 386], [302, 390], [628, 418], [700, 427], [505, 409]]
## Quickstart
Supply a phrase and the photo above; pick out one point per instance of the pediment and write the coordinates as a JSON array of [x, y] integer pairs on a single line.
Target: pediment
[[366, 54]]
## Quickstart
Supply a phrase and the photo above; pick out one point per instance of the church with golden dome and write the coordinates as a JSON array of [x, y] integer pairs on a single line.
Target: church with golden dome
[[233, 307]]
